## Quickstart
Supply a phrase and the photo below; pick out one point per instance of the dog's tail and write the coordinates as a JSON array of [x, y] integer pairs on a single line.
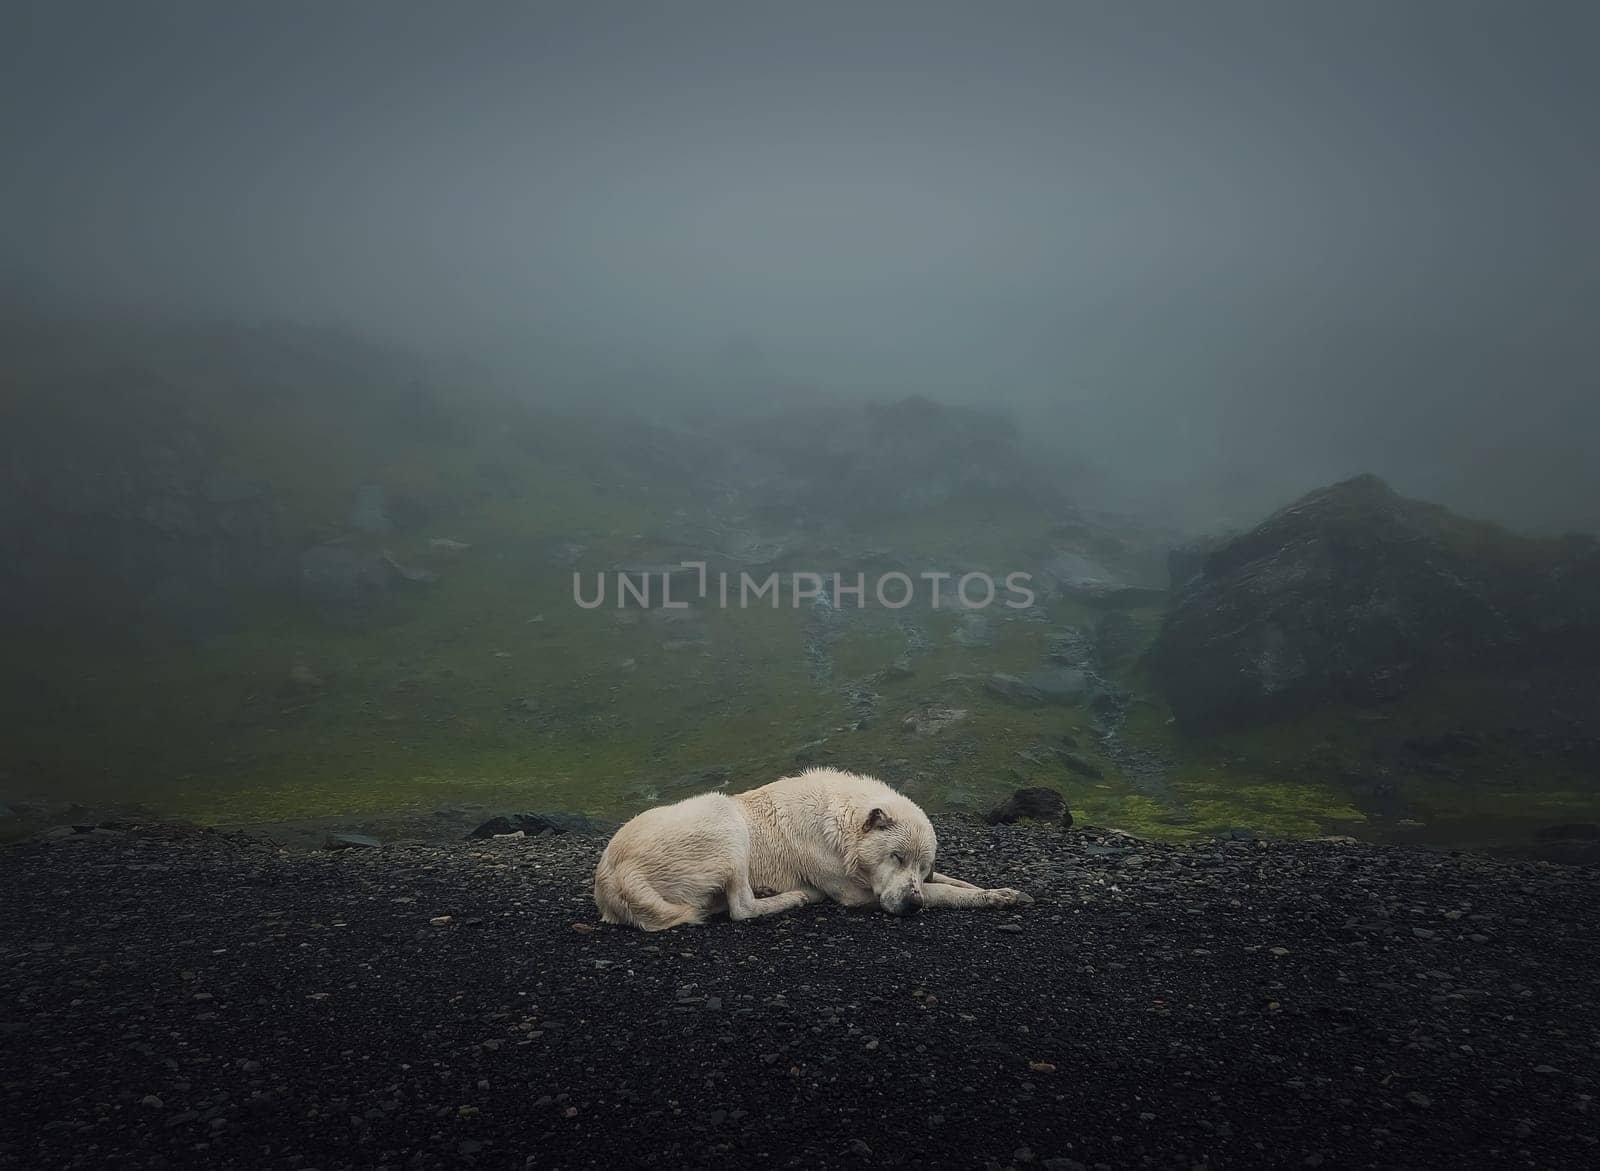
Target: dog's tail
[[624, 895]]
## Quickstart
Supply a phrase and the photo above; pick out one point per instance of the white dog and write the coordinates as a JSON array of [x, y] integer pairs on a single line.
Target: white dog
[[824, 834]]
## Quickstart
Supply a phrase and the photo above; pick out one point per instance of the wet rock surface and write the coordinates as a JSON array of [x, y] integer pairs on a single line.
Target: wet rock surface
[[172, 997]]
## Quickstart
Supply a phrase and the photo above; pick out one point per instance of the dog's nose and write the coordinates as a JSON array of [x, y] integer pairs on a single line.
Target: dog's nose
[[913, 904]]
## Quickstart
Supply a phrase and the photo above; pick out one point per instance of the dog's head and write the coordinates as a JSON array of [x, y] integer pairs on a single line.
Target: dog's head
[[896, 853]]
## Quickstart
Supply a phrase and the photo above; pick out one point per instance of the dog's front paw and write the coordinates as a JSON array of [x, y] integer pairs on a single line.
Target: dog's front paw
[[1006, 897]]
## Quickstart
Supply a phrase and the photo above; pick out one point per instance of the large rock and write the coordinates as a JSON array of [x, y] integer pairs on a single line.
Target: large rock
[[1052, 685], [1038, 804], [534, 824], [1354, 593]]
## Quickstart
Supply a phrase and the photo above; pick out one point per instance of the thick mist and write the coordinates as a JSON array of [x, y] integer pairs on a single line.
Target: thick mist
[[1213, 254]]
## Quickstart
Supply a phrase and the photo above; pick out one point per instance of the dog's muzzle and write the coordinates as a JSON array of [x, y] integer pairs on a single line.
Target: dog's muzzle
[[909, 905]]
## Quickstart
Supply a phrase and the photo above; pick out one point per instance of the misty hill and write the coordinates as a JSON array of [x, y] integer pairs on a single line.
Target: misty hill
[[277, 573], [270, 552], [163, 471]]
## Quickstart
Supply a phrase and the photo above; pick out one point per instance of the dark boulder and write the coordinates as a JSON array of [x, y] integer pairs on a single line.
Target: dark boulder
[[1036, 804], [1354, 593], [534, 824]]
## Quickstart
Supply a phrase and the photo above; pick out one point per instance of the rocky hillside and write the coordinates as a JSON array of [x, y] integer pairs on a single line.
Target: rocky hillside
[[278, 575], [273, 573], [1356, 594]]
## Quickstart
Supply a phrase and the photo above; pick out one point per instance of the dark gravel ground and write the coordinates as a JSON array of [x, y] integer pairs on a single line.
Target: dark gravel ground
[[172, 997]]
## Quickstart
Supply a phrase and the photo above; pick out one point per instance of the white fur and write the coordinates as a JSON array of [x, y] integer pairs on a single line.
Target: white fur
[[824, 834]]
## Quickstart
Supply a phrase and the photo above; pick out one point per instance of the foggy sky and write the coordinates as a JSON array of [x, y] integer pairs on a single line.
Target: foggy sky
[[1224, 251]]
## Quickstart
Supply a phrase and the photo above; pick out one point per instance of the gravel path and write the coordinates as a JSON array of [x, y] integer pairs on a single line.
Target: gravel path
[[178, 998]]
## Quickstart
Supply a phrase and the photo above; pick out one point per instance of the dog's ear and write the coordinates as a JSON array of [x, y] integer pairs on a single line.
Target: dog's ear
[[877, 819]]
